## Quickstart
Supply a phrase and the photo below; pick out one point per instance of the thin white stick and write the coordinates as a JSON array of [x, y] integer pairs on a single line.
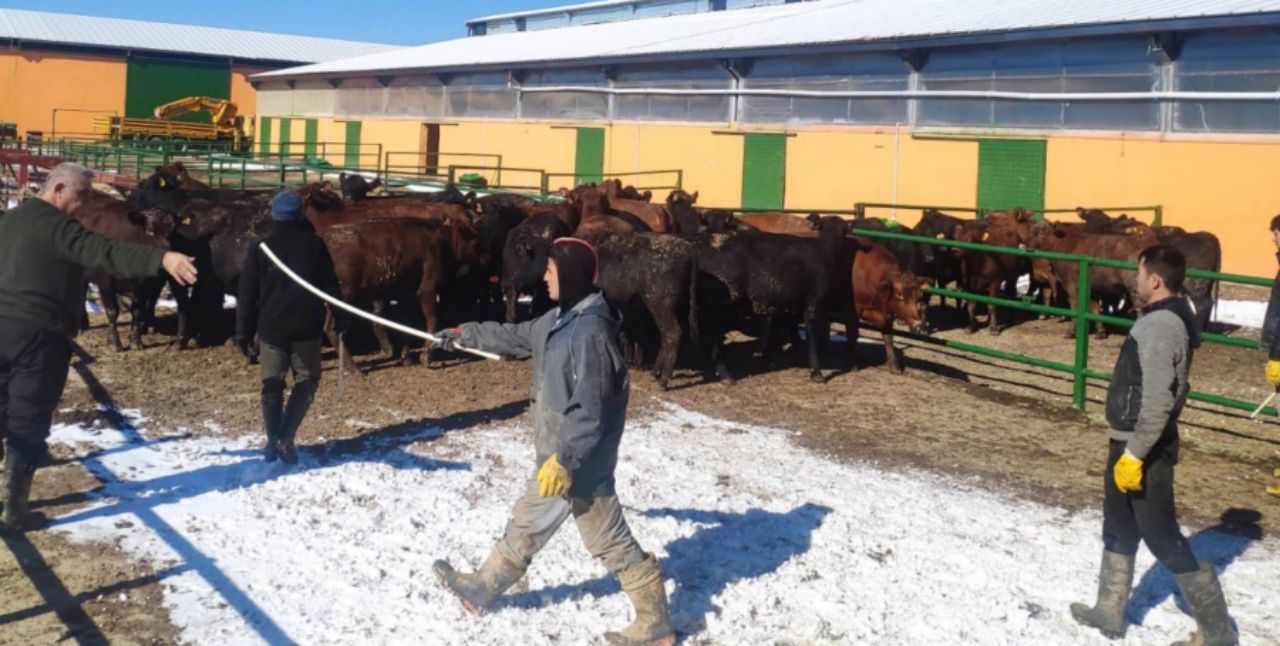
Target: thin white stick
[[363, 314], [342, 366], [1263, 405]]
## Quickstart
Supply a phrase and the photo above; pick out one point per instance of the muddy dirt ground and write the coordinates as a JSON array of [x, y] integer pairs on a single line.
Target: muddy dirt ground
[[1008, 427]]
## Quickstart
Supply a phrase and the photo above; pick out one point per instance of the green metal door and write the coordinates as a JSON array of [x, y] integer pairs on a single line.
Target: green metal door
[[286, 128], [764, 171], [1011, 174], [352, 145], [309, 139], [151, 82], [264, 137], [588, 165]]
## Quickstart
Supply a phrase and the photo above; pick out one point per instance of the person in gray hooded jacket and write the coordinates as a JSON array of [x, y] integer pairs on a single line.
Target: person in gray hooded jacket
[[579, 404]]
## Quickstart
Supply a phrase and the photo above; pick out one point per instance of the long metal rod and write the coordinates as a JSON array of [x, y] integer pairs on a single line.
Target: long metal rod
[[361, 313], [916, 94]]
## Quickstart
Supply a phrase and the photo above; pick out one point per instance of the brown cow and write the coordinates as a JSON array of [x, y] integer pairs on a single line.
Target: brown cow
[[656, 216], [614, 189], [114, 219], [384, 259], [326, 208], [1106, 282], [883, 293], [983, 272], [598, 219], [783, 223]]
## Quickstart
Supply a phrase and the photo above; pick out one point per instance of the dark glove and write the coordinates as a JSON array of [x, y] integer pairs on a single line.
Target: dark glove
[[448, 340]]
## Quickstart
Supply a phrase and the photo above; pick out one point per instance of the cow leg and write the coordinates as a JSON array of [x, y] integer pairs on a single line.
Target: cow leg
[[510, 295], [431, 312], [993, 319], [669, 329], [111, 306], [811, 331], [972, 308], [380, 308], [890, 353], [851, 335], [1102, 333]]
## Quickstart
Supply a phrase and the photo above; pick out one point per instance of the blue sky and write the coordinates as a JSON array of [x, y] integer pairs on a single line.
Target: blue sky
[[404, 22]]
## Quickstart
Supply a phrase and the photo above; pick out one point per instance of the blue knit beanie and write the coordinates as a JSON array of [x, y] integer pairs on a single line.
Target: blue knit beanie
[[286, 206]]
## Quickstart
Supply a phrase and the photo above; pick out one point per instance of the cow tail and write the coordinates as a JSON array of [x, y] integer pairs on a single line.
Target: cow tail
[[693, 299]]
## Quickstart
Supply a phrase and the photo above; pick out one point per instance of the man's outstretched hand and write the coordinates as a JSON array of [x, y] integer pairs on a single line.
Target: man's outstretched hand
[[181, 267]]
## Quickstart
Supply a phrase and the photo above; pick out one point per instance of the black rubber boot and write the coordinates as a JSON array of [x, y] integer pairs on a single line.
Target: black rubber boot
[[299, 402], [652, 626], [478, 591], [18, 474], [1204, 594], [272, 417], [1115, 580]]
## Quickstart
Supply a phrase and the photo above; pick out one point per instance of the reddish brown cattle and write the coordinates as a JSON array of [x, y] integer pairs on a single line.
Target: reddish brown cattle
[[783, 223], [379, 260], [1106, 282], [114, 219], [614, 189], [325, 208], [983, 272], [655, 216], [598, 219], [883, 293]]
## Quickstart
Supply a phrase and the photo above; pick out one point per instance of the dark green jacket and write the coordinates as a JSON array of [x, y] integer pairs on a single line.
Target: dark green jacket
[[44, 255]]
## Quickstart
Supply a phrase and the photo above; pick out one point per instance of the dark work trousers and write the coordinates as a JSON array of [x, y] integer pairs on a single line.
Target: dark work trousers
[[1148, 515], [303, 358], [33, 371]]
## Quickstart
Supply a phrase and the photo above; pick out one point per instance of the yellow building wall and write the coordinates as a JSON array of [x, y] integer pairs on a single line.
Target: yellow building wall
[[33, 84], [1229, 189], [712, 163], [242, 93], [533, 146]]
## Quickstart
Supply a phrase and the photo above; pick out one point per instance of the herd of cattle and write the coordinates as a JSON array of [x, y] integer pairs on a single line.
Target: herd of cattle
[[683, 276]]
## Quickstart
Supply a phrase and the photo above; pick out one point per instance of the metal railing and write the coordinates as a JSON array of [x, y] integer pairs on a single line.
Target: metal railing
[[675, 176], [1081, 315], [412, 164]]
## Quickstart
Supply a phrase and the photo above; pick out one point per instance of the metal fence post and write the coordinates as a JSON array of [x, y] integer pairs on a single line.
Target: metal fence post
[[1083, 325]]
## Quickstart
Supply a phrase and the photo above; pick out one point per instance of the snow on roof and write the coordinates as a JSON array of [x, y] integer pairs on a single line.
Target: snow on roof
[[797, 24], [89, 31]]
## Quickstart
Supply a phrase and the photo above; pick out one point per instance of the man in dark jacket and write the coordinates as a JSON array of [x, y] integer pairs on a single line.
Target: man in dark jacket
[[1144, 401], [1270, 327], [287, 319], [579, 395], [44, 255]]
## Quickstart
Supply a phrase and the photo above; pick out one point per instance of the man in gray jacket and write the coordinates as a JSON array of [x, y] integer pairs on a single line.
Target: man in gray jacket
[[1144, 401], [579, 405]]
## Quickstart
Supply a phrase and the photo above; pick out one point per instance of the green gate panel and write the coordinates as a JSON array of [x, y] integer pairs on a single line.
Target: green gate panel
[[351, 145], [588, 165], [264, 137], [764, 171], [286, 135], [151, 82], [1011, 174], [309, 139]]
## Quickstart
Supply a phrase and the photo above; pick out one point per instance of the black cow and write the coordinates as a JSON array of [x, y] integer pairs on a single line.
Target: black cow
[[938, 263], [356, 188], [908, 254], [524, 261]]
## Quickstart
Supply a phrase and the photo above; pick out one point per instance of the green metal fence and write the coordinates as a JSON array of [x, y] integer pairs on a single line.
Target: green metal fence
[[860, 210], [1079, 369]]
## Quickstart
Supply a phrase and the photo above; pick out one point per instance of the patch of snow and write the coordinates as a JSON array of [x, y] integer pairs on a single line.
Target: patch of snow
[[761, 542], [1248, 314]]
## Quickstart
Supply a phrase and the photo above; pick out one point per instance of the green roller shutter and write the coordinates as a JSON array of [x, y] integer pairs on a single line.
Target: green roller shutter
[[352, 145], [588, 165], [309, 139], [1011, 174], [764, 170], [264, 137], [151, 82], [286, 135]]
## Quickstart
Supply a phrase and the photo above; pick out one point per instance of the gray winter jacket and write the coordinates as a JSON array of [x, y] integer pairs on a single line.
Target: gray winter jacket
[[580, 386]]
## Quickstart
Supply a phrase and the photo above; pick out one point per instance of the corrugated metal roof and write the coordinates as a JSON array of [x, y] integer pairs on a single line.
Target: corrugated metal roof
[[89, 31], [552, 10], [800, 24]]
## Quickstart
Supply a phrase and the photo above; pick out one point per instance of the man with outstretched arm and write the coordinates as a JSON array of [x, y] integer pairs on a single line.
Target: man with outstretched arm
[[1144, 401], [44, 256], [579, 396]]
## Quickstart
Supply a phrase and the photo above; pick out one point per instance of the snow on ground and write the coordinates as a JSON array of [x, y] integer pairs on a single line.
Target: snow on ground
[[761, 541], [1243, 313]]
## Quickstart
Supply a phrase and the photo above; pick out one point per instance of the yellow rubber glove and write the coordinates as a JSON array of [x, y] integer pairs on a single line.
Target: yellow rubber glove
[[1273, 372], [553, 479], [1128, 473]]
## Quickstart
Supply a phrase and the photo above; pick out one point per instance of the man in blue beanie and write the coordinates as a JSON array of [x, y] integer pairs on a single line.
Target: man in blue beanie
[[287, 319]]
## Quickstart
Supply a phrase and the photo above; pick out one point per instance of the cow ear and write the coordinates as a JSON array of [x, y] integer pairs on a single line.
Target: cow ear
[[160, 181], [695, 197], [326, 185]]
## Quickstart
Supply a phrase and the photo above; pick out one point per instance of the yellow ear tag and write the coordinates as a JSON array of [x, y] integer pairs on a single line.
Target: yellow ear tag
[[986, 235], [161, 182], [941, 236], [186, 220]]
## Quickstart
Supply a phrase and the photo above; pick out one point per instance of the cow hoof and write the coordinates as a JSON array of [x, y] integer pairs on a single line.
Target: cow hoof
[[995, 331], [817, 378]]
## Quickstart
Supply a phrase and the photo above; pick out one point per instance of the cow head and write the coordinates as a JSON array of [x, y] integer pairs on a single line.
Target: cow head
[[320, 196], [1016, 221], [159, 224], [908, 303], [718, 221]]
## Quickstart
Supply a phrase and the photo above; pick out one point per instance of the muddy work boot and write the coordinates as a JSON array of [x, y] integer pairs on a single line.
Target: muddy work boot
[[479, 590], [18, 474], [272, 415], [1204, 594], [1114, 583], [652, 627], [299, 402]]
